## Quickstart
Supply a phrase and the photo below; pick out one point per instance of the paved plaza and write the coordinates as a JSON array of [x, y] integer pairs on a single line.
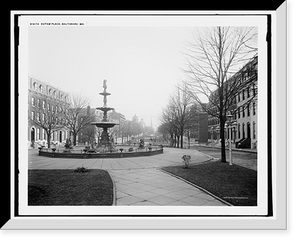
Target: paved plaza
[[139, 180]]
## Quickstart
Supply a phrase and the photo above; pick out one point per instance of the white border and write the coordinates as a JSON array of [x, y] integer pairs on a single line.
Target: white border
[[140, 219], [153, 21]]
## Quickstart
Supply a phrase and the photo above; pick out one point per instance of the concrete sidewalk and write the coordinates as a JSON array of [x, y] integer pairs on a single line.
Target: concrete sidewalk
[[152, 187], [138, 180]]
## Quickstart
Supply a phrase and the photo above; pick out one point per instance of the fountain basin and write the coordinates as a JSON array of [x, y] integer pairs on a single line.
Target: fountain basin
[[104, 124]]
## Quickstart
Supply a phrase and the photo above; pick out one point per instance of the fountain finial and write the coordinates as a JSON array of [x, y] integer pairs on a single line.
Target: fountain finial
[[104, 85]]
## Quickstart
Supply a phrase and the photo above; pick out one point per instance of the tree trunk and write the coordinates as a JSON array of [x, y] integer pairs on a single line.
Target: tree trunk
[[172, 140], [181, 140], [222, 136], [48, 138], [74, 138], [178, 138]]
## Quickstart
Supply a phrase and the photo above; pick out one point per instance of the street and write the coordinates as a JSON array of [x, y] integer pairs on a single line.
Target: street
[[245, 159]]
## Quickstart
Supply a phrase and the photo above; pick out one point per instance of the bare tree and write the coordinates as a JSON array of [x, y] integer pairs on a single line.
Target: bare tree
[[89, 133], [76, 116], [168, 121], [177, 114], [181, 103], [216, 54]]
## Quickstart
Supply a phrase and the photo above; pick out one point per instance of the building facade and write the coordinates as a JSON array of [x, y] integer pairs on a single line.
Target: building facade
[[44, 99], [246, 113], [243, 109]]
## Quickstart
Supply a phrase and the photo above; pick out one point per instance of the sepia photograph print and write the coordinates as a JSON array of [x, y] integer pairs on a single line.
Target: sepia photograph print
[[150, 115]]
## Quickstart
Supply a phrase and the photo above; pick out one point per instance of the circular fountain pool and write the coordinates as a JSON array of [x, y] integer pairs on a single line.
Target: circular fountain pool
[[118, 152]]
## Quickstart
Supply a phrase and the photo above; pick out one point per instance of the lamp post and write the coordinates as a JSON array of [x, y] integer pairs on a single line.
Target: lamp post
[[189, 142], [211, 135], [229, 117]]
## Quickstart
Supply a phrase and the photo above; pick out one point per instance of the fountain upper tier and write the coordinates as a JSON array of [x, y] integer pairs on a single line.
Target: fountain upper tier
[[105, 109], [105, 93]]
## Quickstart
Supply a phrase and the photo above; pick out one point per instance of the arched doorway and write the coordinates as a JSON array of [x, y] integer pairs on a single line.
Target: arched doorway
[[32, 136]]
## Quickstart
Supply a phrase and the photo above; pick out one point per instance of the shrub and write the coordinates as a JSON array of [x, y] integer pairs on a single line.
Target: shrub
[[81, 169]]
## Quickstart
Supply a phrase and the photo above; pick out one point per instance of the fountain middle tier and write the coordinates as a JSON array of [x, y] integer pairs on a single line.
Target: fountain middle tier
[[104, 124], [105, 109]]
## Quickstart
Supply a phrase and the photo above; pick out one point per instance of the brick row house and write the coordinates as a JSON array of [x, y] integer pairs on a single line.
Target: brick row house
[[42, 99], [243, 109]]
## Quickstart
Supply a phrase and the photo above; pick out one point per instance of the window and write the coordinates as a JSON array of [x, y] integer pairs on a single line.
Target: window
[[254, 132], [49, 92], [38, 133], [48, 107], [38, 117], [248, 92], [243, 130], [41, 88], [239, 130], [253, 89], [243, 108], [239, 114], [254, 107], [243, 94], [248, 110], [38, 103], [34, 86], [44, 104], [33, 101], [43, 117], [32, 115]]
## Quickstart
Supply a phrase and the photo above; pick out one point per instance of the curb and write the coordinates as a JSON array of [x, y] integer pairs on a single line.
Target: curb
[[233, 149], [196, 186], [114, 203]]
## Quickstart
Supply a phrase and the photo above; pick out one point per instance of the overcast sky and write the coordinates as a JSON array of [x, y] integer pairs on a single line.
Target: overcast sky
[[142, 65]]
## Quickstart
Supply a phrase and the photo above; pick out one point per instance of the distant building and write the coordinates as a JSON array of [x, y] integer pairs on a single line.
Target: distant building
[[89, 133], [43, 97], [202, 127], [198, 124], [135, 119]]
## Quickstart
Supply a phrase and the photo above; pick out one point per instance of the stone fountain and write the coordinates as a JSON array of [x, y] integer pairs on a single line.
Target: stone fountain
[[105, 141]]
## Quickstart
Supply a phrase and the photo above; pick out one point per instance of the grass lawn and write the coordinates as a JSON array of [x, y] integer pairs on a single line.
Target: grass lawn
[[66, 187], [235, 184]]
